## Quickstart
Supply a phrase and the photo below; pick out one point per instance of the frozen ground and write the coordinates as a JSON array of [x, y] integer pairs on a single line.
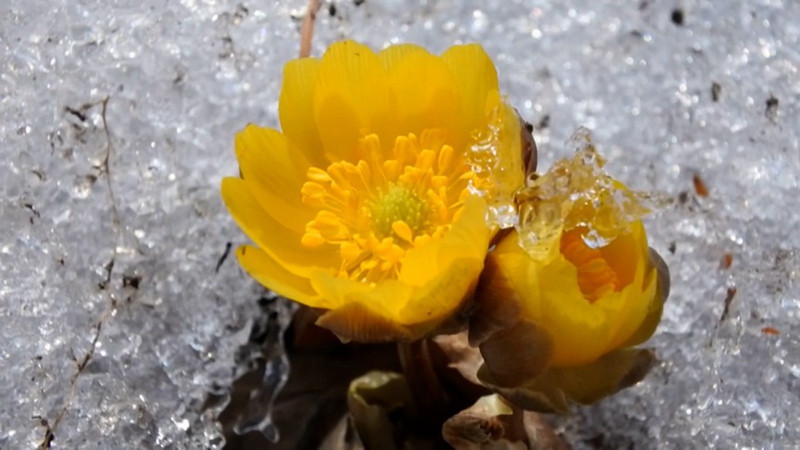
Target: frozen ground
[[117, 122]]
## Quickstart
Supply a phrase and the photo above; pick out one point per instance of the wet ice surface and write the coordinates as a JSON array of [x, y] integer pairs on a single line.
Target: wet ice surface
[[123, 355]]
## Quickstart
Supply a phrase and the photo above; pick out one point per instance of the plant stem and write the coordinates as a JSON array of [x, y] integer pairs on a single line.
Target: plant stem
[[429, 395]]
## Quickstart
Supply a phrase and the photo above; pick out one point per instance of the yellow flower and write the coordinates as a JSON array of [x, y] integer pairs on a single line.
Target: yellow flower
[[579, 284], [372, 202], [590, 301]]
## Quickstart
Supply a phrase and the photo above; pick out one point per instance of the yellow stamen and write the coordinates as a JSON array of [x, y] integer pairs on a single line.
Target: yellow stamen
[[402, 230], [379, 208]]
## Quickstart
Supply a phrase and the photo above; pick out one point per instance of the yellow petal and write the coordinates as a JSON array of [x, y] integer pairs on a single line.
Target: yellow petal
[[626, 253], [656, 307], [393, 54], [279, 242], [259, 265], [394, 308], [476, 78], [639, 298], [467, 239], [432, 286], [442, 297], [356, 321], [509, 175], [445, 271], [276, 172], [426, 95], [296, 108], [351, 96], [584, 330], [385, 298]]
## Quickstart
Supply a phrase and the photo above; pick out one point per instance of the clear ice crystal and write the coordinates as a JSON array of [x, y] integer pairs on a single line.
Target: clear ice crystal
[[266, 350], [488, 153], [575, 193]]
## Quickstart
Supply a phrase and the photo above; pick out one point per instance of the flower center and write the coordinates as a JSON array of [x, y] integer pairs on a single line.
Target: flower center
[[399, 204], [381, 207]]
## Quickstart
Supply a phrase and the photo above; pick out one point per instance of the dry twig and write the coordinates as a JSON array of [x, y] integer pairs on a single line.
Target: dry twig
[[307, 31]]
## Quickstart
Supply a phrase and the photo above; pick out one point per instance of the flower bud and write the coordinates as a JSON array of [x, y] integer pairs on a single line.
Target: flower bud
[[563, 296]]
